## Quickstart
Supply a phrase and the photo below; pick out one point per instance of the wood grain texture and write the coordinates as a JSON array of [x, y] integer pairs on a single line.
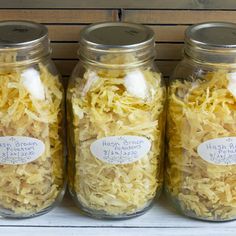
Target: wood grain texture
[[59, 16], [148, 4], [64, 32], [177, 17], [169, 33]]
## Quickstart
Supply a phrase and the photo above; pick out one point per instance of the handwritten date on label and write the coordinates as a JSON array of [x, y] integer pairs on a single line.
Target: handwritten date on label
[[219, 151], [120, 149], [20, 150]]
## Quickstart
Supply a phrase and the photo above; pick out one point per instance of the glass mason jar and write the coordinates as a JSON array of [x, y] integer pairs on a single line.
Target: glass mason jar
[[115, 106], [201, 124], [31, 122]]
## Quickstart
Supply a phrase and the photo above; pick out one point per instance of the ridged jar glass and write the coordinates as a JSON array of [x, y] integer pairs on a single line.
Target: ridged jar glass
[[115, 99], [31, 122], [201, 133]]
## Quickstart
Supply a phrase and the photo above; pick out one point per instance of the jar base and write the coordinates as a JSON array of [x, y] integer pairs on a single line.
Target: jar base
[[188, 213], [5, 213], [100, 214]]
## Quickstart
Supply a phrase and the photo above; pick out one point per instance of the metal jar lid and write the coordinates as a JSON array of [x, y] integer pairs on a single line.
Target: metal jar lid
[[16, 34], [117, 35], [212, 35]]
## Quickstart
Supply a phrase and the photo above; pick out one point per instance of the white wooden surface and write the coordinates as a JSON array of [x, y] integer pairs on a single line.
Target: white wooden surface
[[161, 220]]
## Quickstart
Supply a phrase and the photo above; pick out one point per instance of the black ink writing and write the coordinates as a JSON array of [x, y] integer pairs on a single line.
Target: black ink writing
[[15, 150]]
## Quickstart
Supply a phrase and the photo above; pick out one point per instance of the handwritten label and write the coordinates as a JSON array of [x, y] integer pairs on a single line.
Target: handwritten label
[[219, 151], [120, 149], [20, 150]]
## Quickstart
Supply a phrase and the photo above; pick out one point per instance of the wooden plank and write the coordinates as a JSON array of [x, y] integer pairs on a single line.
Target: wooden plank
[[177, 17], [174, 33], [66, 66], [169, 51], [64, 32], [64, 50], [69, 51], [167, 33], [148, 4], [59, 16], [29, 231]]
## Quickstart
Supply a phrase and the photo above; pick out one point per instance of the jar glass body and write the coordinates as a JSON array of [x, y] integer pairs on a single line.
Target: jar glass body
[[200, 170], [114, 114], [32, 156]]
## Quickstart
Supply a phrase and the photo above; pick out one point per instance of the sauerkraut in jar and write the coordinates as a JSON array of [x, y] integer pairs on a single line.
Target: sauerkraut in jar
[[31, 131], [116, 103], [201, 133]]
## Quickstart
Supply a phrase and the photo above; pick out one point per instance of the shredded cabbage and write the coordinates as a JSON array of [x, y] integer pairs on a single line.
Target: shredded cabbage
[[199, 111], [100, 105], [26, 189]]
